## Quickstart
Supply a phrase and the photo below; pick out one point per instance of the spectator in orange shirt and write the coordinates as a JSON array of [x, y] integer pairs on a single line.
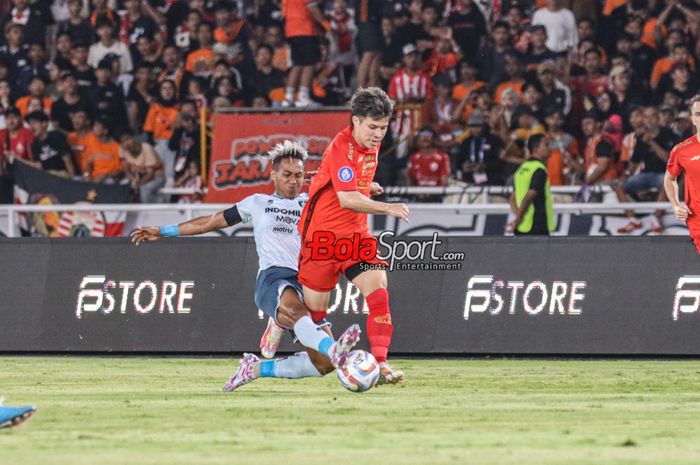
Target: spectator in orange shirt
[[563, 165], [281, 55], [102, 154], [199, 62], [160, 120], [303, 23], [78, 139], [677, 53], [37, 89], [234, 32], [514, 79]]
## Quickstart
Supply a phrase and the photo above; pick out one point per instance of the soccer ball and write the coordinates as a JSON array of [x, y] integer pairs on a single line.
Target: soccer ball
[[361, 373]]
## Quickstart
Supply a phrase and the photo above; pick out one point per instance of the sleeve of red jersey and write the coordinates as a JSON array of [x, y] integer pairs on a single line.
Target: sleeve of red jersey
[[342, 167], [673, 166], [392, 87], [445, 165]]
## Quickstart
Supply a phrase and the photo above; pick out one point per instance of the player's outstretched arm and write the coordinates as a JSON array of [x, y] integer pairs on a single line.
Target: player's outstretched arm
[[199, 225], [353, 200]]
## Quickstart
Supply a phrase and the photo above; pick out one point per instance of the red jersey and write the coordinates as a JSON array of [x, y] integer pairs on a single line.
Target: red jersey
[[429, 169], [19, 144], [346, 166], [406, 86], [686, 157]]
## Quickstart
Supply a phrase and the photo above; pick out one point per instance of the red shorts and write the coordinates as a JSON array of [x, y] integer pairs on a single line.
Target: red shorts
[[322, 275]]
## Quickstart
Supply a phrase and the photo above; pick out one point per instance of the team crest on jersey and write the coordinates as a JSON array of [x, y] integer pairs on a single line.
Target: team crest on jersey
[[345, 174]]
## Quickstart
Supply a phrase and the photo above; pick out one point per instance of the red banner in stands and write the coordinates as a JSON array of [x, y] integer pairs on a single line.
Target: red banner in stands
[[239, 166]]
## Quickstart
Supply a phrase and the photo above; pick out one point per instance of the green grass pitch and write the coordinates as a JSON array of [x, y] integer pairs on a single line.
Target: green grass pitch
[[141, 411]]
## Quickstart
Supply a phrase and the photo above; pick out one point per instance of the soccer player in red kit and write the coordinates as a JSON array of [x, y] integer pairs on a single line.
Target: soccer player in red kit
[[686, 157], [337, 211]]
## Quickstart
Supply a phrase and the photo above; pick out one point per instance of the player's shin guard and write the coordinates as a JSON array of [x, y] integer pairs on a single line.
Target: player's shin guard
[[379, 327]]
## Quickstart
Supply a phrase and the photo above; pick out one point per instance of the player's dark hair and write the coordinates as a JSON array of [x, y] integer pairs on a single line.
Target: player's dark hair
[[533, 142], [287, 149], [371, 102], [693, 101]]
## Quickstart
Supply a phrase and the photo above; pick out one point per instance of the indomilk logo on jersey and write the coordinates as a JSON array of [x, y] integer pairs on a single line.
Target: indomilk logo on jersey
[[485, 294], [100, 295]]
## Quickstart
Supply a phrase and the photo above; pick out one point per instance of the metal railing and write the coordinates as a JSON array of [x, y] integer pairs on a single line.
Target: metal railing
[[189, 210]]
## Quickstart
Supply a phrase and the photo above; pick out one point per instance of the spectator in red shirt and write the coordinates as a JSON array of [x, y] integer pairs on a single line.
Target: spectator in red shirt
[[428, 167], [410, 84]]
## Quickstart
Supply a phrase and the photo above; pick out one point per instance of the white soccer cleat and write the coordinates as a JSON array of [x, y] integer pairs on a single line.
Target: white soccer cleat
[[270, 341], [387, 375], [245, 373], [340, 350]]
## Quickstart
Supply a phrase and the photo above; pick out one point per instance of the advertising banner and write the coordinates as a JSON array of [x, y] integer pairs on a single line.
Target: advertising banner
[[448, 295], [239, 167]]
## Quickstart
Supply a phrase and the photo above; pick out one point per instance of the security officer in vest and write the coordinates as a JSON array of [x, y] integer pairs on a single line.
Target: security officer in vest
[[531, 200]]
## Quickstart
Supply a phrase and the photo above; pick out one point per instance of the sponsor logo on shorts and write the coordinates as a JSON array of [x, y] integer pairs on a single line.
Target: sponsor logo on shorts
[[345, 174]]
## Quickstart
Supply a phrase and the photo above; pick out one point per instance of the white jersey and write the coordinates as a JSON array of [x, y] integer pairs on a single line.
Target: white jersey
[[274, 221]]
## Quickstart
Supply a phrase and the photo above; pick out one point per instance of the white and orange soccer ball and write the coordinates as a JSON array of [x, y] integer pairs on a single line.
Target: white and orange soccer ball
[[361, 372]]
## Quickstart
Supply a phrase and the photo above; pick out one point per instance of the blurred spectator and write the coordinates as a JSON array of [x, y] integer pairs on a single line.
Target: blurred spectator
[[492, 57], [442, 111], [562, 33], [142, 167], [78, 139], [599, 155], [478, 158], [648, 165], [370, 43], [563, 165], [468, 27], [342, 37], [37, 90], [71, 101], [160, 121], [303, 22], [50, 150], [79, 29], [410, 84], [139, 97], [102, 155], [31, 20], [15, 139], [185, 142], [281, 55], [538, 52], [35, 67], [428, 166], [81, 69], [200, 61], [555, 94], [513, 78], [107, 45], [105, 97]]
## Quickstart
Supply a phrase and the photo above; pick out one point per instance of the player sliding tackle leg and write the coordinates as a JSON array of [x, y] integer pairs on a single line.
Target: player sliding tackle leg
[[337, 211], [277, 290]]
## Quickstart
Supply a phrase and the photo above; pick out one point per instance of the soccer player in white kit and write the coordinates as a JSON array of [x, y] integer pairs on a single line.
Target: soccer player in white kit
[[277, 290]]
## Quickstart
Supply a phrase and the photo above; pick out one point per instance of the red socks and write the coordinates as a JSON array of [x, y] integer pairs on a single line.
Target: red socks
[[318, 315], [379, 327]]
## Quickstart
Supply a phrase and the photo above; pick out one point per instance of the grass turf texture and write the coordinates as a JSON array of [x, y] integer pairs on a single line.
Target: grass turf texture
[[142, 411]]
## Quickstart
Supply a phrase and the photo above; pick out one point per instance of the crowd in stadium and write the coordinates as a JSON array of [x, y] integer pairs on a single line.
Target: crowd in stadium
[[110, 90]]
